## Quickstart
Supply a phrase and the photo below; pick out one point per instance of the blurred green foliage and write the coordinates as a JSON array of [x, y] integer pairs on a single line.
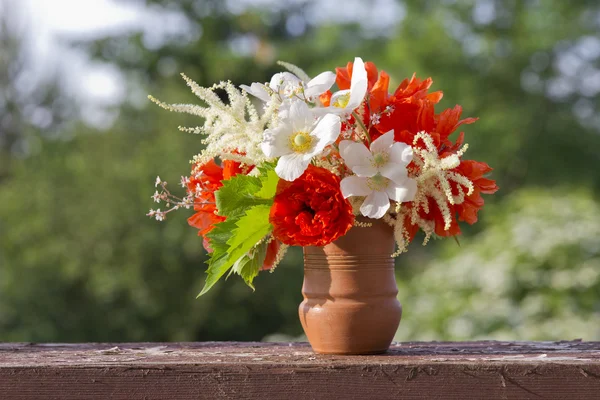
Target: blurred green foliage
[[532, 274], [79, 261]]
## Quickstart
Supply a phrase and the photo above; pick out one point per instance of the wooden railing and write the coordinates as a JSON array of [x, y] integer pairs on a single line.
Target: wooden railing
[[466, 370]]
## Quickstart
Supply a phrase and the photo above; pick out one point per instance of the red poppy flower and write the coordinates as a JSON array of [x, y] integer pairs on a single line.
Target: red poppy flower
[[208, 178], [203, 184], [474, 171], [311, 211], [447, 122]]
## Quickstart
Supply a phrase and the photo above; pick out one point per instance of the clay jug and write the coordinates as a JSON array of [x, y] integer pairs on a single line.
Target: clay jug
[[350, 304]]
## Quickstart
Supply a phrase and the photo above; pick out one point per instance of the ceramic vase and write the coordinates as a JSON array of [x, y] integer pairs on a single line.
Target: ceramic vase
[[349, 289]]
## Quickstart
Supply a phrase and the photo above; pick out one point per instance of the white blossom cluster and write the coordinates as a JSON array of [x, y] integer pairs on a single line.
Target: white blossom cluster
[[232, 130]]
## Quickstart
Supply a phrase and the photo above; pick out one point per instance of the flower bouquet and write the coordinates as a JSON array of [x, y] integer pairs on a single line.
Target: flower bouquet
[[292, 162]]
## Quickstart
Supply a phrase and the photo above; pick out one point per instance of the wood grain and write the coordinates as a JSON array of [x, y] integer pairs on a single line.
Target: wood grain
[[211, 370]]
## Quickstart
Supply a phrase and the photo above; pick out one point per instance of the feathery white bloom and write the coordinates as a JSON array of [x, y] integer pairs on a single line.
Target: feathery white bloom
[[343, 102], [381, 173], [435, 181], [297, 139], [231, 128]]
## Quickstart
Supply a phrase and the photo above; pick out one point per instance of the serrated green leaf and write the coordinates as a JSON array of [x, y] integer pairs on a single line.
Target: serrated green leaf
[[250, 226], [237, 195], [241, 192], [249, 265], [246, 231], [220, 234], [269, 181]]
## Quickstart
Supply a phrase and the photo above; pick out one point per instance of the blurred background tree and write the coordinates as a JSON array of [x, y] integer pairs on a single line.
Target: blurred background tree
[[79, 261]]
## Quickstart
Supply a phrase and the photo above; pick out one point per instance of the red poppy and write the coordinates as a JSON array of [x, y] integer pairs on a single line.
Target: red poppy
[[474, 171], [311, 211], [208, 179], [410, 110], [203, 184], [447, 122]]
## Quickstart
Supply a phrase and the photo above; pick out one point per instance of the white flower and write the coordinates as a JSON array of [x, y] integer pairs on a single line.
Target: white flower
[[158, 181], [298, 139], [319, 85], [259, 90], [381, 173], [289, 85], [184, 181], [345, 101]]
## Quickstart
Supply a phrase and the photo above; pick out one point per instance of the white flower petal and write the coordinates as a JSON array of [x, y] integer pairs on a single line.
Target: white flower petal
[[366, 170], [395, 172], [291, 166], [327, 131], [276, 142], [282, 79], [300, 117], [284, 109], [335, 97], [375, 205], [358, 84], [354, 154], [404, 192], [319, 84], [354, 186], [258, 90], [383, 143], [401, 153]]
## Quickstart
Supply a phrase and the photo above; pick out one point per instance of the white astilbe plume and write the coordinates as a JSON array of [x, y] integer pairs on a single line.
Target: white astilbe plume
[[434, 182], [232, 130]]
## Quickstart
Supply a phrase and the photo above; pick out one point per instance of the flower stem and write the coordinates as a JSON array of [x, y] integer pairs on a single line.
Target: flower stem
[[362, 125]]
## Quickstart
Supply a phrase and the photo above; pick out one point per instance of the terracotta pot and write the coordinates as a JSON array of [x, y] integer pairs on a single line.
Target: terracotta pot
[[350, 304]]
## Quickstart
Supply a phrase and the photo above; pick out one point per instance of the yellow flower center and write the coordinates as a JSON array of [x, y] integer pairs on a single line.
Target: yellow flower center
[[380, 159], [301, 141], [378, 182], [342, 101]]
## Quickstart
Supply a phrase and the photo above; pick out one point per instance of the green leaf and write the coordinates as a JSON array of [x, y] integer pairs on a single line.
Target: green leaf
[[220, 234], [246, 231], [237, 195], [254, 225], [269, 181], [249, 265], [242, 192], [246, 202]]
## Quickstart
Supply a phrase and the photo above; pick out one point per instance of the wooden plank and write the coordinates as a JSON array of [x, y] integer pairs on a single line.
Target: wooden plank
[[211, 370]]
